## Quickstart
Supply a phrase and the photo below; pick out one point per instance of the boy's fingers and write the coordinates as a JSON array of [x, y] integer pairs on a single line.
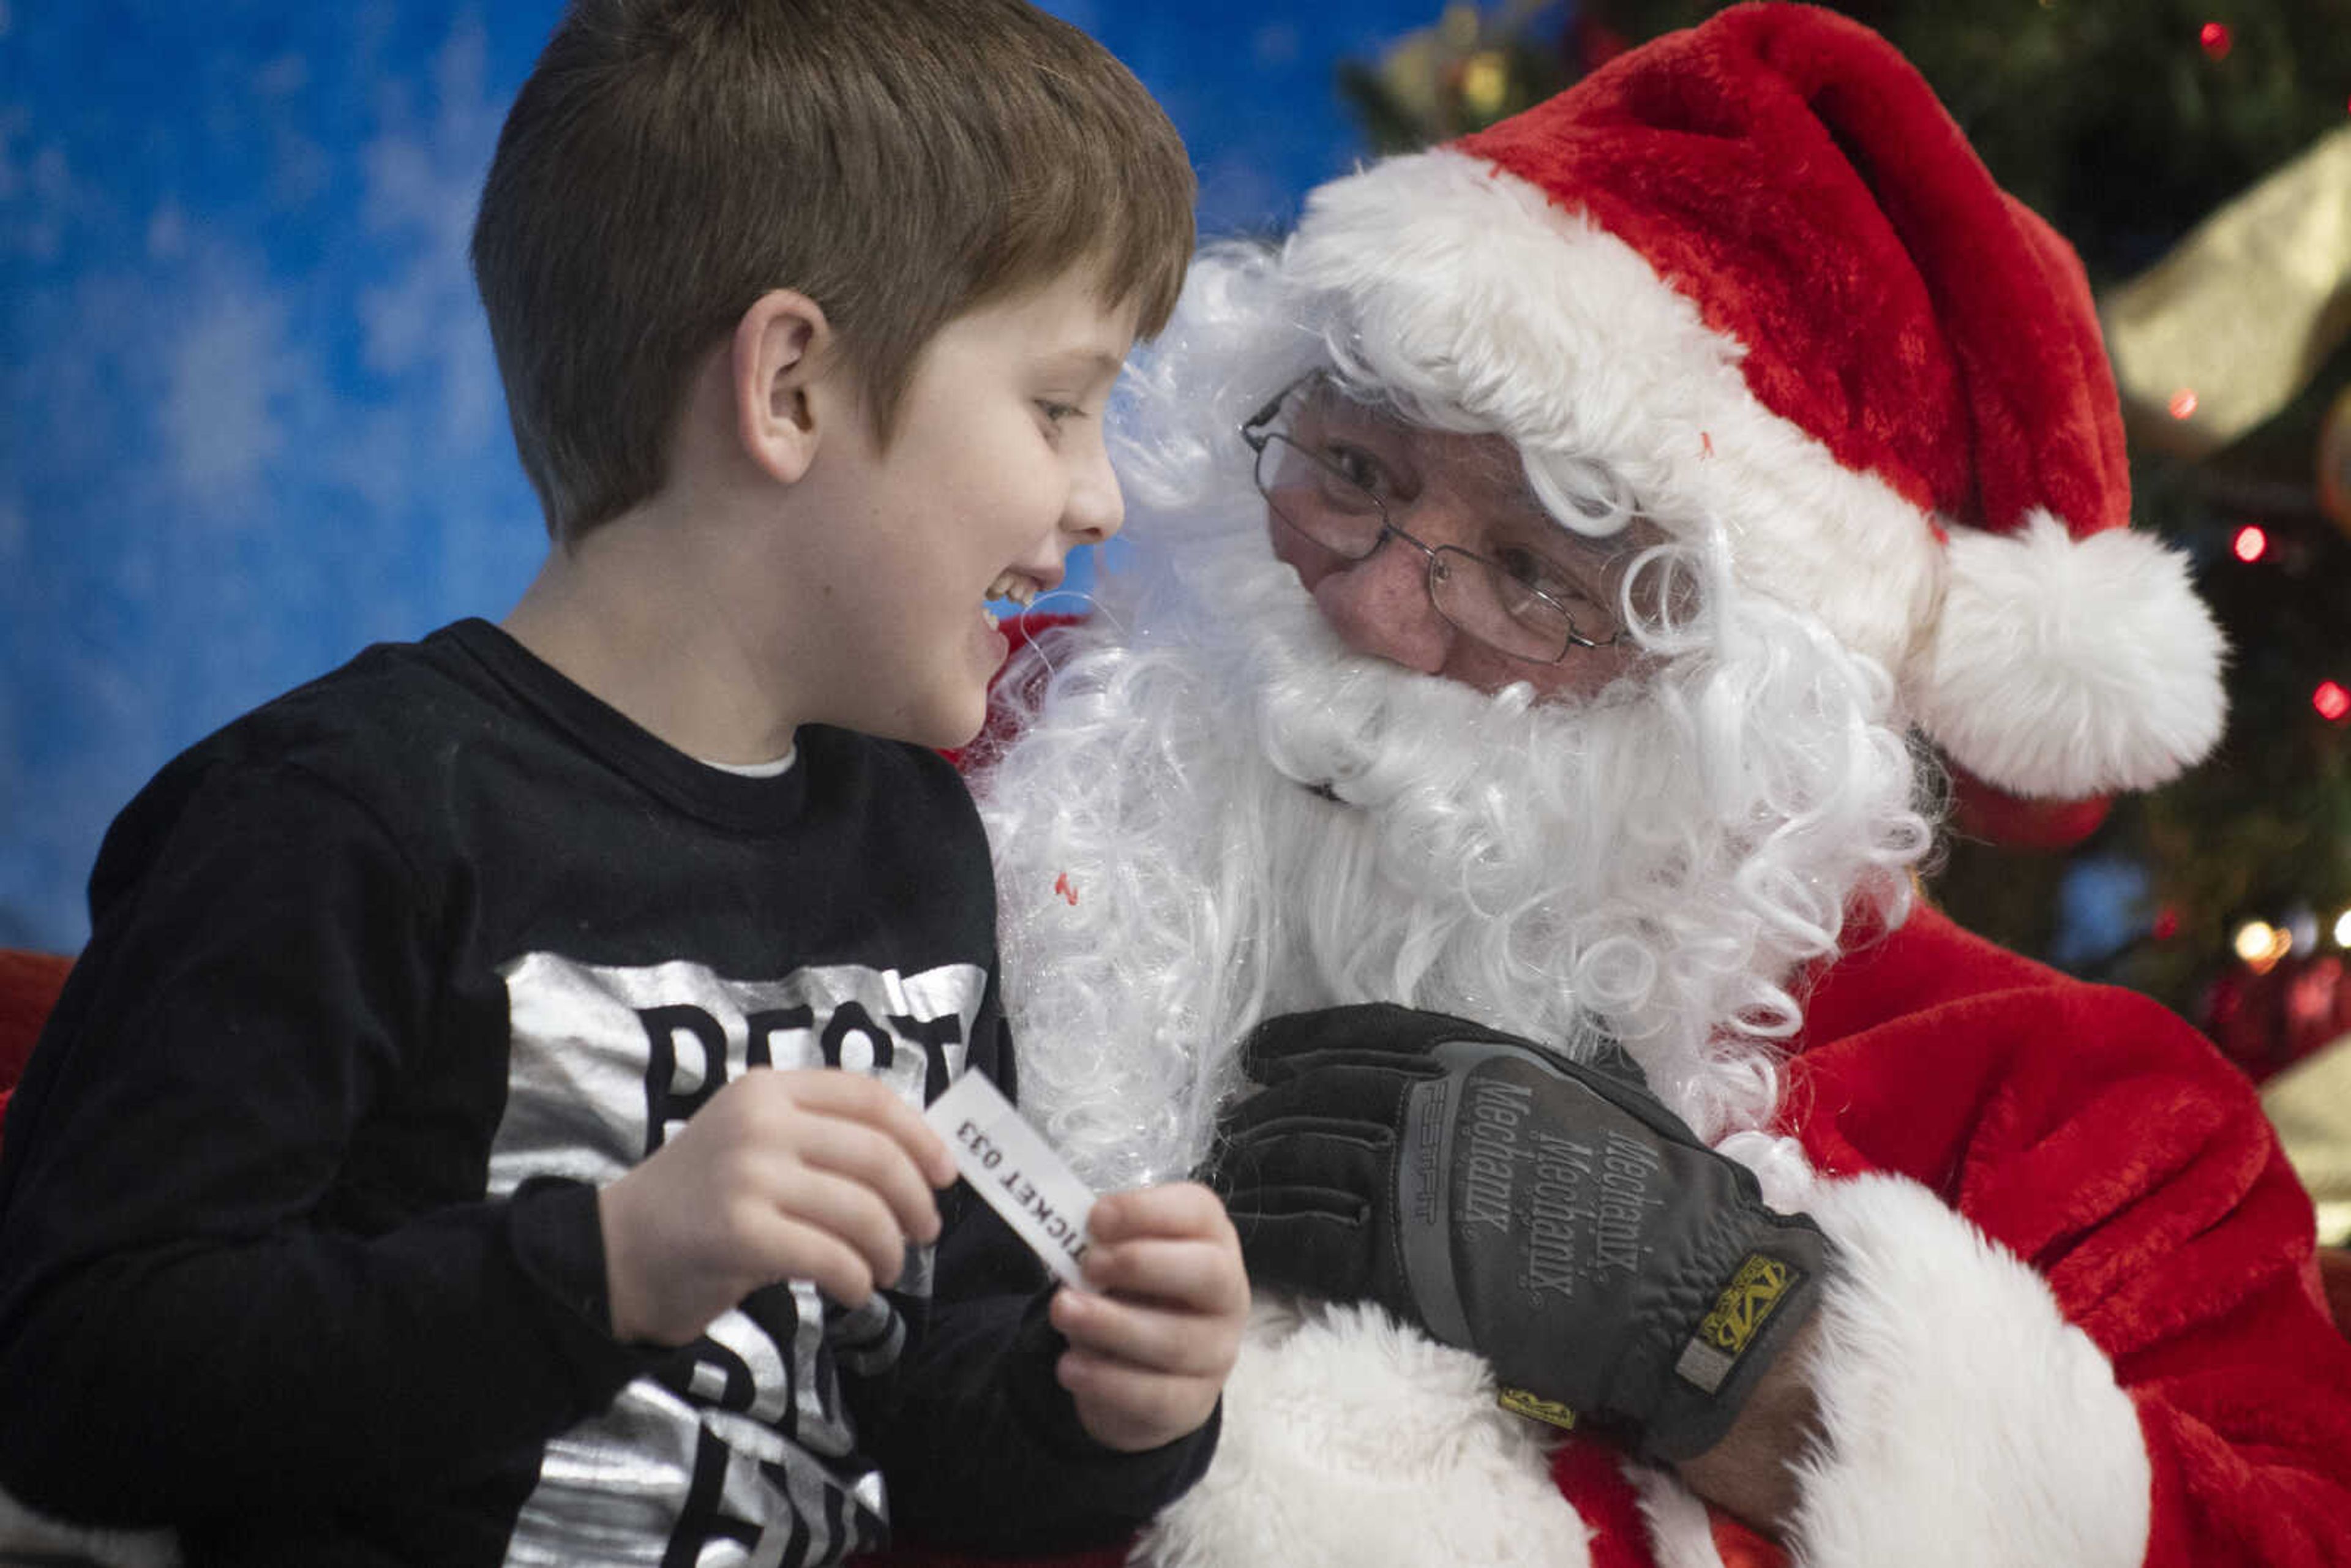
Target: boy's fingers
[[859, 1098], [1201, 1275], [1144, 1338], [847, 1212], [862, 1152], [804, 1251], [1176, 1208]]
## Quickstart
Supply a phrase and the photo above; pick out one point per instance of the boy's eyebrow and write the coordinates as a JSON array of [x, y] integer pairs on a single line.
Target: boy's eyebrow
[[1102, 362]]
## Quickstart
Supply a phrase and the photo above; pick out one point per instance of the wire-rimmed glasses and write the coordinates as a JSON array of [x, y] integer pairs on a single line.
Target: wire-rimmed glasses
[[1529, 607]]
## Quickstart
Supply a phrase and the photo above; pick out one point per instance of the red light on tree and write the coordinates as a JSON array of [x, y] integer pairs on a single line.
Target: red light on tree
[[2330, 701], [2251, 544], [2217, 40], [2166, 923], [2183, 403]]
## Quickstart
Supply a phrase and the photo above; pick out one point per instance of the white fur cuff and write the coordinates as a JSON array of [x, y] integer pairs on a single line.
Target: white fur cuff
[[1352, 1441], [1968, 1422]]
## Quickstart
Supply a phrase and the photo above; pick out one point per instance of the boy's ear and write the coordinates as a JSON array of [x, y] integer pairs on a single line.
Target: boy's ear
[[783, 349]]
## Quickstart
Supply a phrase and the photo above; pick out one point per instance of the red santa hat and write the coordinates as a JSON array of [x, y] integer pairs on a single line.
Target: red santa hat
[[1756, 269]]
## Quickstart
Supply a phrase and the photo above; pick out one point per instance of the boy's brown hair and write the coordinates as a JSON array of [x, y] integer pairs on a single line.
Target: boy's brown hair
[[899, 162]]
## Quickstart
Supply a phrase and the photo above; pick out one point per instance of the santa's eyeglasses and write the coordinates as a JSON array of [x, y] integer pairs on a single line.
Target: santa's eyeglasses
[[1328, 489]]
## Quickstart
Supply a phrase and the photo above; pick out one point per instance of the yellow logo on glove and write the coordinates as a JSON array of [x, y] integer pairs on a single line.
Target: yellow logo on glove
[[1535, 1408], [1745, 1303], [1723, 1334]]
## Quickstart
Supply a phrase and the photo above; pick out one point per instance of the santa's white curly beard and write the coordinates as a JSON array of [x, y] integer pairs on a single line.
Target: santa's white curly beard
[[1654, 862]]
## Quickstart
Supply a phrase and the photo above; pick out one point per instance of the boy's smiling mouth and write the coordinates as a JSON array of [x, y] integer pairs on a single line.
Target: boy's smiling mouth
[[1018, 587]]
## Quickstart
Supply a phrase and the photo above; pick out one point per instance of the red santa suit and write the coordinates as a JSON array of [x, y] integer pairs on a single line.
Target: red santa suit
[[2117, 1202]]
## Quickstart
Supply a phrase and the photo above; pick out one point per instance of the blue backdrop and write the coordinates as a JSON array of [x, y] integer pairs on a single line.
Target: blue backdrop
[[250, 421]]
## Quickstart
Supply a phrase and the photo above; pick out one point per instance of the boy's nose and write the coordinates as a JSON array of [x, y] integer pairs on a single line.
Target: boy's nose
[[1097, 508]]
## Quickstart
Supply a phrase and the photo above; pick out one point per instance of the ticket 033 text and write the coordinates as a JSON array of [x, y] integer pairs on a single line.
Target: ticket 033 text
[[1012, 1167]]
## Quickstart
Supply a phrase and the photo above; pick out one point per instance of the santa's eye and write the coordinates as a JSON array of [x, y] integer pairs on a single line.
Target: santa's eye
[[1354, 466], [1531, 572]]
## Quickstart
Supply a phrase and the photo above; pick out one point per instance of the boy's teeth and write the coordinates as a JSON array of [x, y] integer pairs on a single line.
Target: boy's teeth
[[1011, 585]]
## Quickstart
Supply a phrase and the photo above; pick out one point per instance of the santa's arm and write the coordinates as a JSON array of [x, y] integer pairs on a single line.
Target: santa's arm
[[2074, 1317], [1750, 1474]]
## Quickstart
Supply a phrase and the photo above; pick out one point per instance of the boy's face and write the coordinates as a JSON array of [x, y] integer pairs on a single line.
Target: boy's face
[[995, 470]]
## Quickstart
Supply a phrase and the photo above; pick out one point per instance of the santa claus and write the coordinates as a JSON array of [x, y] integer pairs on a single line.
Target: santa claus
[[1570, 578]]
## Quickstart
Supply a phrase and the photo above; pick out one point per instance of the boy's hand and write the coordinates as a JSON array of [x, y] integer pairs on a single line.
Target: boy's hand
[[805, 1174], [1152, 1340]]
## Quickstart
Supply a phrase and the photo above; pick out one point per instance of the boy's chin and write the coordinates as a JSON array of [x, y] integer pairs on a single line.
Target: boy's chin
[[947, 723]]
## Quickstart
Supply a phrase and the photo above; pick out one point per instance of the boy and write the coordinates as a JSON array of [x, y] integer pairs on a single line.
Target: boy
[[397, 1180]]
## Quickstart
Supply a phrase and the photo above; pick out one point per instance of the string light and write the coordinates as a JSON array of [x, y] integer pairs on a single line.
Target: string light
[[2251, 544], [2343, 929], [2330, 701], [2182, 403], [2261, 944], [2217, 40], [2301, 930], [1486, 82]]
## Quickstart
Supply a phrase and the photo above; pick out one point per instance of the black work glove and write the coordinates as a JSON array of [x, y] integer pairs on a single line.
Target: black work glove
[[1555, 1217]]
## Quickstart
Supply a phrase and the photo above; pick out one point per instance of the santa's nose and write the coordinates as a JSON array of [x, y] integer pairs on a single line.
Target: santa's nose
[[1380, 606]]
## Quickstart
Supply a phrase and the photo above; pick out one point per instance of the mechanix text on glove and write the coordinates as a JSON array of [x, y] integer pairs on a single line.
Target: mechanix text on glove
[[1552, 1216]]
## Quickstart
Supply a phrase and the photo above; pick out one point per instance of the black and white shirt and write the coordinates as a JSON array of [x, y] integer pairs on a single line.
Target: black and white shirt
[[299, 1247]]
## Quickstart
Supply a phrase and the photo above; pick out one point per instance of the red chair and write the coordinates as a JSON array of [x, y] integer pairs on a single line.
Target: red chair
[[29, 984]]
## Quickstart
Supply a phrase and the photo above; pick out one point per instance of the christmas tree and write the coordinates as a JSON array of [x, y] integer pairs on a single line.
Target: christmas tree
[[2199, 157]]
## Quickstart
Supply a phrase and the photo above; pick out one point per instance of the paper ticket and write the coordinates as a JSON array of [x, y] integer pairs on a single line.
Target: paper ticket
[[1009, 1163]]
